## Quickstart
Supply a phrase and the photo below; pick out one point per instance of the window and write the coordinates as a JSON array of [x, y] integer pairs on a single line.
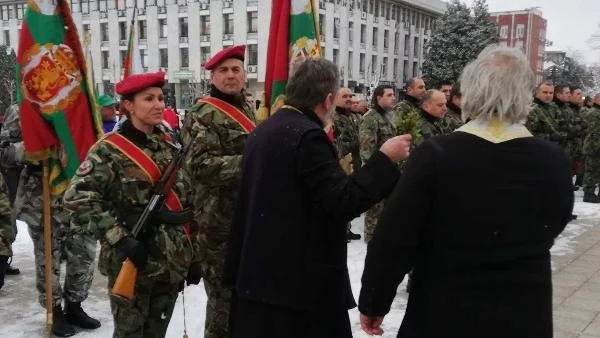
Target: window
[[363, 33], [205, 54], [184, 58], [142, 29], [120, 5], [350, 31], [144, 57], [375, 31], [183, 27], [520, 31], [5, 12], [252, 22], [395, 68], [336, 28], [228, 23], [102, 6], [162, 28], [74, 6], [416, 47], [160, 3], [415, 69], [253, 54], [504, 32], [164, 57], [373, 64], [105, 59], [386, 38], [336, 56], [20, 11], [93, 5], [406, 45], [384, 67], [123, 54], [321, 24], [361, 64], [85, 7], [104, 31], [122, 30], [204, 25], [396, 42], [350, 62], [405, 71]]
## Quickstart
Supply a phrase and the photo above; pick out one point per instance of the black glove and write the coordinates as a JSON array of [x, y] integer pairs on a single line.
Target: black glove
[[3, 267], [194, 274], [134, 250]]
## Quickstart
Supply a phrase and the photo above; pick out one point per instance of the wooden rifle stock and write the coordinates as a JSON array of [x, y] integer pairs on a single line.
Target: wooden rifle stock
[[125, 284]]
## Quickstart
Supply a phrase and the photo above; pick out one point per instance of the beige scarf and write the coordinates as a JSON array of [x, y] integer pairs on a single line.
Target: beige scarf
[[495, 131]]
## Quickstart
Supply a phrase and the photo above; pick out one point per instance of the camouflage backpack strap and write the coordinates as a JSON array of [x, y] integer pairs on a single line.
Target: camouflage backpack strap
[[148, 166], [232, 112]]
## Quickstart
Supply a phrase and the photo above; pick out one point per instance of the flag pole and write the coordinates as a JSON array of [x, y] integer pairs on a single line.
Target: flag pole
[[47, 244]]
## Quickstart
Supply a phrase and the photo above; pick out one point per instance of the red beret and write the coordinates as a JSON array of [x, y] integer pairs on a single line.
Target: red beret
[[137, 82], [233, 52]]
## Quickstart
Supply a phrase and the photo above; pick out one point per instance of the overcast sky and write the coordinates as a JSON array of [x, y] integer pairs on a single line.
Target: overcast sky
[[570, 22]]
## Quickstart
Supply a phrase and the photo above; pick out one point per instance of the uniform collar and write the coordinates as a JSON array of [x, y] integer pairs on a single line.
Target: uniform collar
[[236, 100], [540, 102], [137, 136], [412, 100], [430, 118]]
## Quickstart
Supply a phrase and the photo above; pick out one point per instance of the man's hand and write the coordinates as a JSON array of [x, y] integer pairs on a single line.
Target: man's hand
[[346, 163], [397, 148], [371, 325]]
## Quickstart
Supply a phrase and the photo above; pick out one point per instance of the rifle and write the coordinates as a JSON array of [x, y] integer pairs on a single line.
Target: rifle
[[125, 283]]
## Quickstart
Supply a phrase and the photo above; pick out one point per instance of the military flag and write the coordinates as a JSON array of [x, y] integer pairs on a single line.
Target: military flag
[[293, 34], [133, 61], [60, 118]]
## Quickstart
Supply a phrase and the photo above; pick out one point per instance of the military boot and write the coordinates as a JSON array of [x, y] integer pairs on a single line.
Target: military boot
[[3, 267], [76, 316], [590, 197], [60, 327]]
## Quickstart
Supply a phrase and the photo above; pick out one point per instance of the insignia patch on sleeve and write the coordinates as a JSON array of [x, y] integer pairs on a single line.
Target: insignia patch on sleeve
[[84, 168]]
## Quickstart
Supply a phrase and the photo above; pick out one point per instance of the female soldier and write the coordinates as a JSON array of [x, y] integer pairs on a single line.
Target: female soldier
[[110, 190]]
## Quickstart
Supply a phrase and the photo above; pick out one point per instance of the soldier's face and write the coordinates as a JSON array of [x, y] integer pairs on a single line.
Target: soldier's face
[[229, 77], [446, 89], [436, 106], [343, 99], [147, 106], [358, 105], [545, 93], [577, 97], [564, 95], [387, 100], [108, 113], [417, 90]]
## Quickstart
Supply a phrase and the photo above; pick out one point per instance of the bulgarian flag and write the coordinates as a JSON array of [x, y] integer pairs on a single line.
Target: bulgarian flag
[[60, 120], [293, 34], [133, 62]]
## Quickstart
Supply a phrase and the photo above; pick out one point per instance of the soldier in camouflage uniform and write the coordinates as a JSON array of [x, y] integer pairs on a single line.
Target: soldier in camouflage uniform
[[11, 161], [541, 119], [376, 127], [109, 192], [453, 119], [7, 235], [408, 108], [591, 152], [579, 123], [433, 109], [214, 164]]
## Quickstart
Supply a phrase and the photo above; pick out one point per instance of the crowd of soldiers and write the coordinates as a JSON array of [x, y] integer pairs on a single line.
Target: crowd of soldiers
[[217, 129]]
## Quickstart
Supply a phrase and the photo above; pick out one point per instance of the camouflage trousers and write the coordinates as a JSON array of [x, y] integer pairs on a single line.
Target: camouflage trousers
[[217, 310], [7, 233], [73, 246], [150, 312], [371, 218], [591, 176]]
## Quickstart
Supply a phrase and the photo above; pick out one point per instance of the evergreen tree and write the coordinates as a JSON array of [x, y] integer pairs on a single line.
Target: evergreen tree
[[461, 34], [8, 85]]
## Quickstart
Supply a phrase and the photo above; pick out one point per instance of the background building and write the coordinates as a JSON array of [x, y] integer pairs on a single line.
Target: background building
[[372, 41], [525, 30]]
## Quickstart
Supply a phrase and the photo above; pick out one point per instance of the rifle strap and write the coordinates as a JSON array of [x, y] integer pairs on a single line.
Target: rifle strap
[[149, 167], [232, 112]]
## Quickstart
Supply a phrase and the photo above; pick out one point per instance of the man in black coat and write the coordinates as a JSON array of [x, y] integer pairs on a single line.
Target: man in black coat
[[287, 252]]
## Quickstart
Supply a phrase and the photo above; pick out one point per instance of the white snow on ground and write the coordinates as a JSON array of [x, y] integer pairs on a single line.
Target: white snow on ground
[[21, 315]]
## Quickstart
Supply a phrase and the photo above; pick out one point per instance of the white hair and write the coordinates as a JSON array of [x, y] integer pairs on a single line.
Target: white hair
[[498, 84]]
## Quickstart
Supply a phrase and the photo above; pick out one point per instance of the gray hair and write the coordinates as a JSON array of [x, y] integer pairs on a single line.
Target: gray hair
[[498, 84], [313, 80], [428, 95]]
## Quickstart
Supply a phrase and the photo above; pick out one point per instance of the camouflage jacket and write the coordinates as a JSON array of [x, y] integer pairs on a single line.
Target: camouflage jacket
[[591, 143], [11, 142], [429, 126], [6, 227], [374, 129], [573, 125], [452, 120], [541, 122], [109, 192], [214, 165], [345, 133]]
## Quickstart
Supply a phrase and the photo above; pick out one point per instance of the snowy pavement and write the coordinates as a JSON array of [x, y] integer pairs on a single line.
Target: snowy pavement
[[22, 316]]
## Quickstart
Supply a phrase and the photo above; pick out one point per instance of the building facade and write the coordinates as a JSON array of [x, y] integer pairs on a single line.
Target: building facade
[[372, 41], [525, 30]]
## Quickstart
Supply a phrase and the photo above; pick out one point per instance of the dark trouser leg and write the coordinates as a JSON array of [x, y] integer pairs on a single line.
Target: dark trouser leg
[[217, 310]]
